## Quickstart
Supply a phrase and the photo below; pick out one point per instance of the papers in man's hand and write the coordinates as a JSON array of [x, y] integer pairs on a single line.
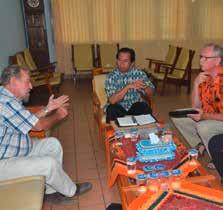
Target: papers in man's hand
[[135, 120]]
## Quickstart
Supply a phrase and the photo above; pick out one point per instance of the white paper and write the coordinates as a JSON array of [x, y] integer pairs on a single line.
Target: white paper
[[144, 119], [136, 120], [126, 121]]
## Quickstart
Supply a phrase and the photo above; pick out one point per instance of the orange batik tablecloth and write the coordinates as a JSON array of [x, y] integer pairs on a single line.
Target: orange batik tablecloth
[[117, 151]]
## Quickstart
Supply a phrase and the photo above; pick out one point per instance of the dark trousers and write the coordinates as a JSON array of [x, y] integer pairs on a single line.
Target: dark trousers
[[115, 110], [215, 147]]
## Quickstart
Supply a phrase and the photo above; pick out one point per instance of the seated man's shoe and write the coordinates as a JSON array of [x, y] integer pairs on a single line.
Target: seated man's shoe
[[59, 199], [83, 188]]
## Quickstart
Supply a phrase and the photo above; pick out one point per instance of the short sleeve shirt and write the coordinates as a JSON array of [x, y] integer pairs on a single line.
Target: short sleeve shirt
[[211, 94], [15, 123], [116, 80]]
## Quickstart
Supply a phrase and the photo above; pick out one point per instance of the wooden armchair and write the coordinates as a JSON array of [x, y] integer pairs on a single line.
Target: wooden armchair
[[49, 68], [178, 74], [22, 193], [83, 58], [38, 77], [155, 65], [99, 101], [107, 55]]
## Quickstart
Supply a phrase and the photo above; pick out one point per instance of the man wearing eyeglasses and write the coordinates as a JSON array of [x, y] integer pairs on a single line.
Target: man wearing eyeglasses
[[207, 99]]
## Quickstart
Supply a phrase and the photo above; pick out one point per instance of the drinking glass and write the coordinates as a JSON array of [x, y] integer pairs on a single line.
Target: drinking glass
[[141, 181], [134, 134], [167, 134], [154, 182], [131, 165], [176, 180], [193, 155], [165, 180]]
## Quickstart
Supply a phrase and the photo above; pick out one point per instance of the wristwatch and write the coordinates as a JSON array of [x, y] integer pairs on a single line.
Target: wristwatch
[[46, 110]]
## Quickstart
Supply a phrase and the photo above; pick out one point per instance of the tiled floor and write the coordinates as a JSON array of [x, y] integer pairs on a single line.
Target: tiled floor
[[84, 158]]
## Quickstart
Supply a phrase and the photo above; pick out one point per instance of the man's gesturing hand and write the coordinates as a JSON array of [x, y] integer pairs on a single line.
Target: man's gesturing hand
[[202, 77], [56, 103]]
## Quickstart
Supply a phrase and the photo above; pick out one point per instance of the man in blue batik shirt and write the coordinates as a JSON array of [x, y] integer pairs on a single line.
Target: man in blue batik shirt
[[22, 156], [126, 87]]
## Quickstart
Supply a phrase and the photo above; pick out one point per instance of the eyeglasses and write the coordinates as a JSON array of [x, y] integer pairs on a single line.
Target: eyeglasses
[[208, 57]]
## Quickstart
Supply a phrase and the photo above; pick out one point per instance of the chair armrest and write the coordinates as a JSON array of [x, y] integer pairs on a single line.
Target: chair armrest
[[96, 100], [179, 69], [97, 71], [48, 68], [154, 60], [49, 65]]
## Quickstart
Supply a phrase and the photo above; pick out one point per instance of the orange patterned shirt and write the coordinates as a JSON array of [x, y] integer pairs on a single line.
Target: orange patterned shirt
[[211, 93]]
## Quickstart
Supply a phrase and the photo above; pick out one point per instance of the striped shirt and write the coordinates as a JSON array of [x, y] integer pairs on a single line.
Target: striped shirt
[[15, 123], [116, 80]]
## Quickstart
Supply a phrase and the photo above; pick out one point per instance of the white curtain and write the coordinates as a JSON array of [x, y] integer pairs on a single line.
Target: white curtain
[[95, 21]]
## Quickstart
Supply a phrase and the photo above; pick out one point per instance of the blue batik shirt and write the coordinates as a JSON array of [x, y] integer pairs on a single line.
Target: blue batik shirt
[[116, 80], [15, 123]]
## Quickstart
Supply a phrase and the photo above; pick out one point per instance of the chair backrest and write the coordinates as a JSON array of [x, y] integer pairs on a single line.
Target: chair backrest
[[22, 193], [29, 59], [20, 60], [83, 56], [171, 55], [107, 55], [184, 62], [98, 83]]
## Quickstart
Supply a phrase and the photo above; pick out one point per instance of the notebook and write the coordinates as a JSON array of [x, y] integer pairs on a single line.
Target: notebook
[[136, 120], [178, 113]]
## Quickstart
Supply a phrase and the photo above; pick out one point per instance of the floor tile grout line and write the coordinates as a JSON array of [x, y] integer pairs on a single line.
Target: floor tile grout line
[[92, 139]]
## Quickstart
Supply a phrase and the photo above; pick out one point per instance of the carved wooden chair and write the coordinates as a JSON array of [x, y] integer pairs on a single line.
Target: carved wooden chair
[[38, 77], [100, 100], [155, 65], [178, 74], [50, 67]]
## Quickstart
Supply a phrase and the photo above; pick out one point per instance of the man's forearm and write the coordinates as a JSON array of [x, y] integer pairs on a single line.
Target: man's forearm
[[196, 103], [47, 122], [212, 116], [149, 92], [119, 95]]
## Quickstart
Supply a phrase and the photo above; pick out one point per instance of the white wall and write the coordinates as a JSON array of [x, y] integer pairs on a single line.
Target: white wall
[[12, 35]]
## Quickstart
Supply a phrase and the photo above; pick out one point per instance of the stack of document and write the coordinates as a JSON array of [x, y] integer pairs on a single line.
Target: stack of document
[[136, 120]]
